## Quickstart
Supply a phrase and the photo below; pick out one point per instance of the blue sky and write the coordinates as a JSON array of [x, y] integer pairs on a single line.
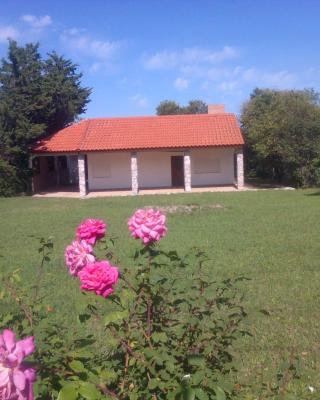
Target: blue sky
[[133, 54]]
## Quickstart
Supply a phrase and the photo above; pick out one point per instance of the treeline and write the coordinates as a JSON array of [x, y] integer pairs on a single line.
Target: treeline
[[281, 130], [37, 97], [282, 133]]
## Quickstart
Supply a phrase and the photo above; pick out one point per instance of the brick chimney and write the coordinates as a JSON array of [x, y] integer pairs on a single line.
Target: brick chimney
[[215, 108]]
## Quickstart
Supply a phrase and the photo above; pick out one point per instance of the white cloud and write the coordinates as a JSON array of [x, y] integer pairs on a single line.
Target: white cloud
[[37, 22], [228, 85], [7, 32], [188, 56], [139, 100], [277, 79], [87, 46], [231, 79], [181, 83]]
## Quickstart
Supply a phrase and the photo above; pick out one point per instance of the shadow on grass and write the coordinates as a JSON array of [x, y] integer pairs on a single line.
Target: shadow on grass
[[317, 193]]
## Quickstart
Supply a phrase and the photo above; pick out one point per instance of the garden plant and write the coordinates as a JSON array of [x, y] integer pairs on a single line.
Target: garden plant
[[169, 332]]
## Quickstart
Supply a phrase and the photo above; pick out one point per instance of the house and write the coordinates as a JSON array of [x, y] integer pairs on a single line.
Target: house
[[142, 152]]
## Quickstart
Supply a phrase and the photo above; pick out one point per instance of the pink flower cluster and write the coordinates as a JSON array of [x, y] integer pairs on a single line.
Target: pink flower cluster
[[99, 277], [78, 255], [91, 230], [16, 378], [96, 276], [148, 225]]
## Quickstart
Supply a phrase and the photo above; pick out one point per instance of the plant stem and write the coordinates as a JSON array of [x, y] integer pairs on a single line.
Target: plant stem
[[40, 272], [149, 301], [26, 310]]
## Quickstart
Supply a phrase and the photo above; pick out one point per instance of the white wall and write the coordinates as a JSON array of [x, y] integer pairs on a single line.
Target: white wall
[[109, 171], [212, 166], [154, 168], [113, 170]]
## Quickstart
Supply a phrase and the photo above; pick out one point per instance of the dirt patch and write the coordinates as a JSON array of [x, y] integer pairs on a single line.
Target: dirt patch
[[187, 208]]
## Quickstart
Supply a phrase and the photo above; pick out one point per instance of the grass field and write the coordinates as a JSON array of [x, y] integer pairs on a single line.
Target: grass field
[[271, 237]]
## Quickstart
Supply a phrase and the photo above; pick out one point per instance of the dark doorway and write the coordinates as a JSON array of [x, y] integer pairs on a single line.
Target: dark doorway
[[177, 173], [63, 170]]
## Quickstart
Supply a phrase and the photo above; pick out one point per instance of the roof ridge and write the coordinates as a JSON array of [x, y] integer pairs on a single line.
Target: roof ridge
[[160, 116]]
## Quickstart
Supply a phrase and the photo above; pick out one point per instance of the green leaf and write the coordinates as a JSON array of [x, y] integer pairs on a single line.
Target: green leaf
[[188, 394], [116, 316], [159, 337], [196, 360], [68, 393], [153, 383], [201, 395], [77, 366], [197, 377], [220, 394], [89, 391]]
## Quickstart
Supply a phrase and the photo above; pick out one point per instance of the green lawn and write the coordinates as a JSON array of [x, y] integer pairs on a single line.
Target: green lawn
[[272, 237]]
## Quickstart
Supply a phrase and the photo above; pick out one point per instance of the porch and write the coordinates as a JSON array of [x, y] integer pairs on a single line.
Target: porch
[[99, 174], [65, 192]]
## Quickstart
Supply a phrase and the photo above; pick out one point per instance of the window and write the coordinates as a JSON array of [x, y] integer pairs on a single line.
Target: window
[[101, 167], [207, 166]]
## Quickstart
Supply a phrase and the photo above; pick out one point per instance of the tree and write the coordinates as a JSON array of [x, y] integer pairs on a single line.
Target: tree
[[62, 84], [169, 107], [37, 97], [196, 107], [282, 130]]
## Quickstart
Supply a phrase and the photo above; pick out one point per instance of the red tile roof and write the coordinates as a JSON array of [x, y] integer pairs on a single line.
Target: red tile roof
[[137, 133]]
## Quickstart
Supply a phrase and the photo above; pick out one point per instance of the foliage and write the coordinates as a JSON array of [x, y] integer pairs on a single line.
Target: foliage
[[282, 130], [169, 107], [37, 97], [9, 182], [164, 328]]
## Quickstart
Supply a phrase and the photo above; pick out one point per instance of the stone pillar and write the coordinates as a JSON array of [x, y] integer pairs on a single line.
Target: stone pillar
[[30, 161], [240, 174], [134, 173], [82, 175], [187, 171]]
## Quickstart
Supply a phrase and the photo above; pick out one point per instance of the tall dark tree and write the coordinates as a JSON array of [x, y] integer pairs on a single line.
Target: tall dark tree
[[37, 97], [282, 130], [62, 85], [170, 107]]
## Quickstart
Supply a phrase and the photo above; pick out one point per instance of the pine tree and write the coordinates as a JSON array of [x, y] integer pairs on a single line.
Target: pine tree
[[37, 98]]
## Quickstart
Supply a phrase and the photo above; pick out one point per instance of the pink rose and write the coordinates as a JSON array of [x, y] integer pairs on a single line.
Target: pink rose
[[16, 379], [91, 230], [148, 225], [78, 255], [99, 277]]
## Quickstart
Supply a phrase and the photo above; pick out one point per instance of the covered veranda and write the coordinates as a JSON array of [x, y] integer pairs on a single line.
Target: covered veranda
[[66, 175]]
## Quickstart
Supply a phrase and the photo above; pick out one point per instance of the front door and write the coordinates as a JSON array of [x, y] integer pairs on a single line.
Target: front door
[[177, 174]]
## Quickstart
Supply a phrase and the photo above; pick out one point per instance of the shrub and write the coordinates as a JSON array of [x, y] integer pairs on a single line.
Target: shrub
[[9, 182]]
